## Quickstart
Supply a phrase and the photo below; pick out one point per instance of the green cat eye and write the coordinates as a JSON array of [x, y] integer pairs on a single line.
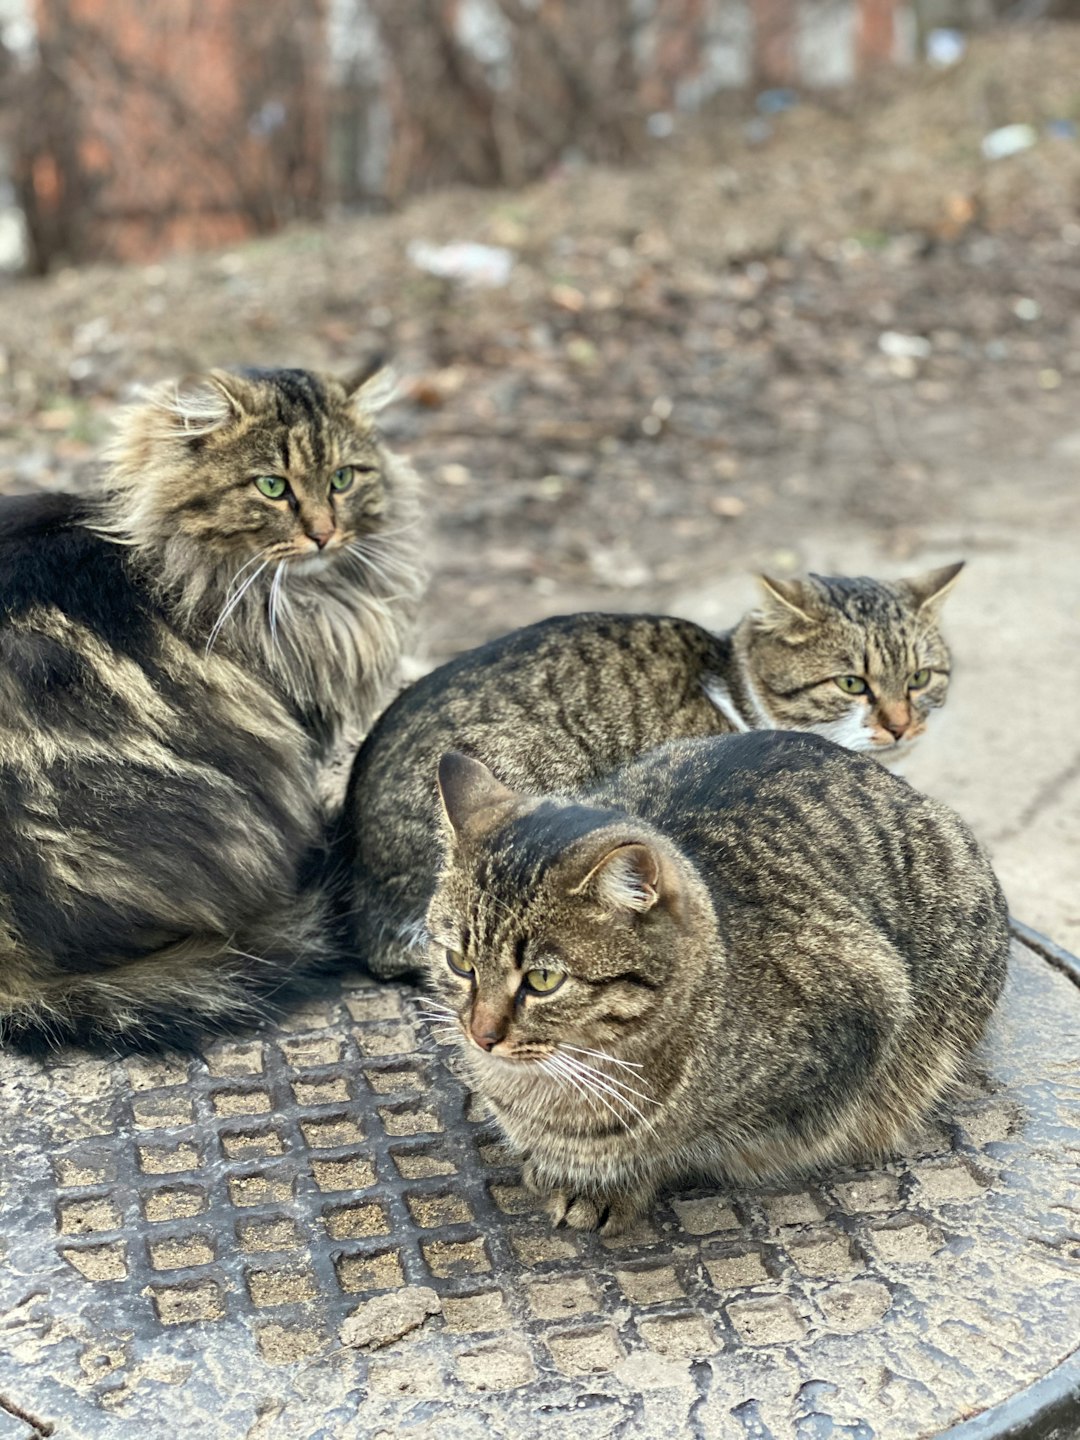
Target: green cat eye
[[458, 964], [543, 982], [919, 680], [343, 478], [272, 486], [851, 684]]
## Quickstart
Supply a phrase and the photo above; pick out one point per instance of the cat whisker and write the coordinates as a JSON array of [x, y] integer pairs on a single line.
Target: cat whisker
[[596, 1083], [603, 1055], [386, 575], [388, 534], [272, 603], [435, 1013], [378, 557], [581, 1084], [250, 561], [230, 605], [563, 1078], [615, 1080]]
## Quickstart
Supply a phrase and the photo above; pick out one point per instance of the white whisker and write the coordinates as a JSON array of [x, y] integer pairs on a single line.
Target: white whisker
[[230, 605], [580, 1084], [272, 604], [597, 1083], [606, 1079], [250, 561], [603, 1055]]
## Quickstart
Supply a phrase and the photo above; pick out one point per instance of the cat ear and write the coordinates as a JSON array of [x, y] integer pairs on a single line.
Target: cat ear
[[473, 800], [190, 406], [786, 600], [369, 393], [629, 877], [237, 393], [930, 588]]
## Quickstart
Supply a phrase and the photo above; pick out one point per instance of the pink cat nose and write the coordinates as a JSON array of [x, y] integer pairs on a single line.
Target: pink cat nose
[[321, 537], [487, 1026], [896, 728]]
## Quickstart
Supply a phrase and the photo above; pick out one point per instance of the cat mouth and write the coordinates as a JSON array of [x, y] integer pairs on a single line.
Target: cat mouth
[[312, 562]]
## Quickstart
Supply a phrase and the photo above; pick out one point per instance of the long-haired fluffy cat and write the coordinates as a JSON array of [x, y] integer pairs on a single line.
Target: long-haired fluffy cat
[[559, 704], [744, 957], [174, 652]]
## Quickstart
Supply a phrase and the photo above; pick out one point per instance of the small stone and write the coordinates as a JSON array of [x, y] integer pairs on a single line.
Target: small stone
[[387, 1318], [728, 506]]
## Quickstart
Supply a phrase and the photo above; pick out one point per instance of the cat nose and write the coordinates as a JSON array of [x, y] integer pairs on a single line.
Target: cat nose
[[486, 1027], [321, 537], [896, 728]]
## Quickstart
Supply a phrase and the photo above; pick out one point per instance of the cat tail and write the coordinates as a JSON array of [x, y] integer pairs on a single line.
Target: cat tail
[[174, 996]]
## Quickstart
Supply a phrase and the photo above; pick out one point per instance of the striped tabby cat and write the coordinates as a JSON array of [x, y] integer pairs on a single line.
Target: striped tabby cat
[[745, 957], [175, 655], [559, 704]]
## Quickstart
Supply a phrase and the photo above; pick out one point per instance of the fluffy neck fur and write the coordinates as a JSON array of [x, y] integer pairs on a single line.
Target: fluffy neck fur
[[326, 632]]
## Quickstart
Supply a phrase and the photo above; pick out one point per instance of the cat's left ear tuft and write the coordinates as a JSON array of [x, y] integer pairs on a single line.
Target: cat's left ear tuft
[[199, 404], [930, 588], [786, 603], [629, 877], [237, 392], [369, 393], [473, 800]]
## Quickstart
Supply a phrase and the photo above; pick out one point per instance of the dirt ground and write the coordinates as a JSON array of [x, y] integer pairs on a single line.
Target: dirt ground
[[848, 344]]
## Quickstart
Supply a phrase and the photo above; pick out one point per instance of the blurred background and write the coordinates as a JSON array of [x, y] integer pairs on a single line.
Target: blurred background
[[680, 290]]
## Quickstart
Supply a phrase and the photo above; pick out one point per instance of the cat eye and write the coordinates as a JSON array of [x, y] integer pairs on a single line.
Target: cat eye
[[851, 684], [542, 982], [272, 486], [919, 680], [458, 964], [341, 479]]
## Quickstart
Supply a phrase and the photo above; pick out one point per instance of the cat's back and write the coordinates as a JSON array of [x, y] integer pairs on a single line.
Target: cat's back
[[590, 684], [58, 577], [781, 821]]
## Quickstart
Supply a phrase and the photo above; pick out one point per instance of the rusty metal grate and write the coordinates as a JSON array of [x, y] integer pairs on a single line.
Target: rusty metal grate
[[206, 1225]]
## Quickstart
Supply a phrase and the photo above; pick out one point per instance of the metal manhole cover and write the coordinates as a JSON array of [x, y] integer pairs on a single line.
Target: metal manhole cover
[[183, 1239]]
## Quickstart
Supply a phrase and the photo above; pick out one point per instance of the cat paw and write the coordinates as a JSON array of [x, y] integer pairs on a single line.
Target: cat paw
[[621, 1213], [530, 1181], [611, 1215], [576, 1212]]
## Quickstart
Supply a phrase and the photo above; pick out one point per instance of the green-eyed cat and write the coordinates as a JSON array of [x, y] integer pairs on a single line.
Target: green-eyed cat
[[559, 704], [745, 957], [175, 652]]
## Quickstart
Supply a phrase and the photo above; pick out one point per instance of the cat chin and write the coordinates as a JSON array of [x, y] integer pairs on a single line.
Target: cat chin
[[313, 564], [850, 732]]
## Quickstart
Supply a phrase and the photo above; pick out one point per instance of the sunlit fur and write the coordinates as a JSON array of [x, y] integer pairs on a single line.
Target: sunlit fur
[[562, 702], [243, 575], [159, 748], [776, 956]]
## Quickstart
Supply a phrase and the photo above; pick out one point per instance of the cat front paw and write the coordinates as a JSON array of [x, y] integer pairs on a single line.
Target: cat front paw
[[611, 1214]]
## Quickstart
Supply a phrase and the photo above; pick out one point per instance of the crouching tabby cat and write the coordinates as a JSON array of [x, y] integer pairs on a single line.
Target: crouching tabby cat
[[743, 957], [559, 704], [175, 653]]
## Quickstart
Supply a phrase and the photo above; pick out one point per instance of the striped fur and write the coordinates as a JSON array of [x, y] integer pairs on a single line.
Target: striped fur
[[160, 764], [562, 702], [771, 955]]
